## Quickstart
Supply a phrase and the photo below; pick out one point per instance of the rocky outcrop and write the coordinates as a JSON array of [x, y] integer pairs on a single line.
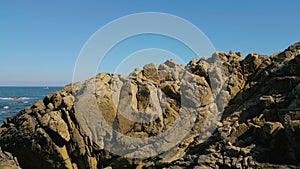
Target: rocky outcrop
[[256, 128], [218, 112]]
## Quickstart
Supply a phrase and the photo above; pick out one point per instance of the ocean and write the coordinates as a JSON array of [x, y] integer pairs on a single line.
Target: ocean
[[14, 99]]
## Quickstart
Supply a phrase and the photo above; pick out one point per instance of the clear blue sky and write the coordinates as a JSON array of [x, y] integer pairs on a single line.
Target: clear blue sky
[[40, 40]]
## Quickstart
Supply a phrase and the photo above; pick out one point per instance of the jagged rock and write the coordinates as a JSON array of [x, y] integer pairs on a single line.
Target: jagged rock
[[86, 125], [7, 161], [150, 71], [53, 121]]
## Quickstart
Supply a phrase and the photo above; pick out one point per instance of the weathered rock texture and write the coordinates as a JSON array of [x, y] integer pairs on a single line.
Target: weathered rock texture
[[260, 126], [7, 161]]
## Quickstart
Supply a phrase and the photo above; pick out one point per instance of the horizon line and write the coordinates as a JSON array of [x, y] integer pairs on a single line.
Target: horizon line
[[32, 85]]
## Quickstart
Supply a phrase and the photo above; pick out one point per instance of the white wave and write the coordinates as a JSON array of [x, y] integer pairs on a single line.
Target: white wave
[[15, 98], [6, 107], [6, 98], [25, 98]]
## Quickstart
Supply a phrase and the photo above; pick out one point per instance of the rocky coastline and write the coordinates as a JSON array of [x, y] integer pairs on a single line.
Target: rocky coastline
[[259, 126]]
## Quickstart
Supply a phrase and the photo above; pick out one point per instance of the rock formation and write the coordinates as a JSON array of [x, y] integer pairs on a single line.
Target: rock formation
[[7, 161], [233, 113]]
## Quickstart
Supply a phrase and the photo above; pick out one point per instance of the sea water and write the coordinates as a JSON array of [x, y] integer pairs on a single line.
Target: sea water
[[14, 99]]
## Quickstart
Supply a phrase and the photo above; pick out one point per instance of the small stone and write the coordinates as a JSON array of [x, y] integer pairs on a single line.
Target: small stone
[[170, 63], [272, 127], [50, 106], [219, 124], [68, 101], [231, 52], [267, 100], [109, 167], [243, 128]]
